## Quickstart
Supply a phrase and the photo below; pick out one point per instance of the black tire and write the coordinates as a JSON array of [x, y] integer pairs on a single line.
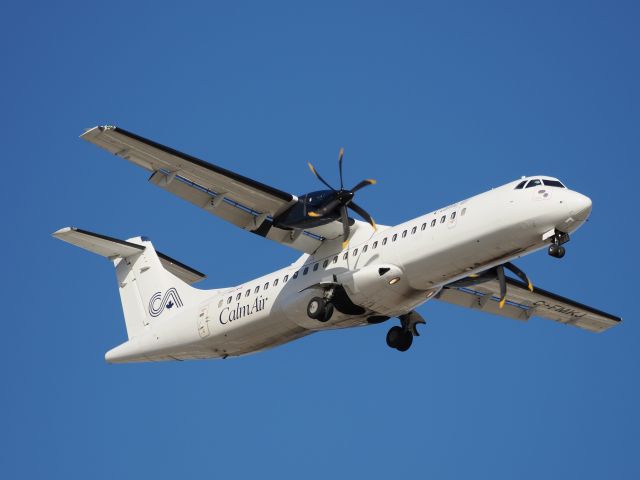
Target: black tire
[[560, 253], [328, 312], [405, 342], [316, 308], [394, 336]]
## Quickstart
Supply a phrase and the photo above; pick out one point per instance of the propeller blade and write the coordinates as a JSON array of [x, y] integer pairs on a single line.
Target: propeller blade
[[315, 172], [326, 208], [340, 155], [521, 275], [363, 183], [503, 285], [361, 211], [345, 226]]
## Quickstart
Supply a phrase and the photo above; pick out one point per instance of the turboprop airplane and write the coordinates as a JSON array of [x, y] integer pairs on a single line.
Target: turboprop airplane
[[351, 273]]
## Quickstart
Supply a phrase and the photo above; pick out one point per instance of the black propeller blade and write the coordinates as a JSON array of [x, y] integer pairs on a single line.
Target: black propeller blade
[[496, 273], [342, 200]]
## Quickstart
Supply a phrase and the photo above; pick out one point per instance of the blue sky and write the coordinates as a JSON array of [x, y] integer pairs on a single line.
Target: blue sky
[[437, 101]]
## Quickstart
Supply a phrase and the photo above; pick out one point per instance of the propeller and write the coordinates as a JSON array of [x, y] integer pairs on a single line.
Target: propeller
[[341, 200], [497, 273]]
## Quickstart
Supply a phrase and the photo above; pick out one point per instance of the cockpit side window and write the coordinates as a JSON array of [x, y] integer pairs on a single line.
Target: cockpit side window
[[520, 185], [533, 183], [553, 183]]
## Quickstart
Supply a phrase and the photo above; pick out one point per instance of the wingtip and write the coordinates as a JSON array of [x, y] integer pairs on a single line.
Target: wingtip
[[62, 231]]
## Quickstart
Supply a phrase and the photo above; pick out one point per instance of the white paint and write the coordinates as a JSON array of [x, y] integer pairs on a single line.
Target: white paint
[[497, 226]]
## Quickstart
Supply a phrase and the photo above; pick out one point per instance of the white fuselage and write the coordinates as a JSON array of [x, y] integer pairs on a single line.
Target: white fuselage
[[424, 253]]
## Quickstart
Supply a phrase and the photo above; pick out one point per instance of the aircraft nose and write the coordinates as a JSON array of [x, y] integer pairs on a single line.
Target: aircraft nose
[[581, 206]]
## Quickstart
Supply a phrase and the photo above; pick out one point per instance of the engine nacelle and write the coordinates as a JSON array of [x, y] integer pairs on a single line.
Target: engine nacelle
[[381, 288]]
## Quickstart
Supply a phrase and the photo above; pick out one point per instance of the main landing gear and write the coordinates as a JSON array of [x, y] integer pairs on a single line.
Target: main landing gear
[[556, 249], [401, 337], [320, 309]]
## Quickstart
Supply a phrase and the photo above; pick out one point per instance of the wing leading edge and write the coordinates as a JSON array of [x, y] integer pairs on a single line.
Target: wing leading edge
[[246, 203], [522, 304]]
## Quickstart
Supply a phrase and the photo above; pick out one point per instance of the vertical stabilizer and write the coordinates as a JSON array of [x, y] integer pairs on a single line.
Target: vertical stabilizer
[[151, 284]]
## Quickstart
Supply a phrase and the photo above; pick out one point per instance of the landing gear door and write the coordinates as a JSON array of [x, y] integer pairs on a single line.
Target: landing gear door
[[203, 322]]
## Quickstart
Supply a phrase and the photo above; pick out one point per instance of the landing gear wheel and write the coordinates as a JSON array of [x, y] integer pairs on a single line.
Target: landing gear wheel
[[556, 250], [328, 311], [316, 308], [394, 336], [405, 342], [399, 339]]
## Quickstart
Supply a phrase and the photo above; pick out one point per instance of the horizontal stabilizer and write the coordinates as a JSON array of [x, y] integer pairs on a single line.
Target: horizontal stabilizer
[[113, 248], [101, 244]]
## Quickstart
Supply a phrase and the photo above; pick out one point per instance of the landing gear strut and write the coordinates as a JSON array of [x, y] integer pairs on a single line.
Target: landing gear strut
[[556, 249], [320, 309], [401, 337]]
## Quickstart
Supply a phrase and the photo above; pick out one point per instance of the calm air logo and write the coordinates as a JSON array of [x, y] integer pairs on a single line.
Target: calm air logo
[[158, 302]]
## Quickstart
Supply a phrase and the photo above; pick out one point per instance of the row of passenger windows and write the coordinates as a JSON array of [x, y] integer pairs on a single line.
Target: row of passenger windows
[[345, 255]]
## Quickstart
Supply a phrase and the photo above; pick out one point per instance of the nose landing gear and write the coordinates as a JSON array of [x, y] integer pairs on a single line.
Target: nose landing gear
[[557, 239], [401, 337], [556, 251]]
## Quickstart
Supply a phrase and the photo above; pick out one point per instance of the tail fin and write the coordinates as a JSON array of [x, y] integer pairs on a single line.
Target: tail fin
[[151, 284]]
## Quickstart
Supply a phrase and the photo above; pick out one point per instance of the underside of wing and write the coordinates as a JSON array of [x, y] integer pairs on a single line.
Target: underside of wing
[[523, 304], [246, 203]]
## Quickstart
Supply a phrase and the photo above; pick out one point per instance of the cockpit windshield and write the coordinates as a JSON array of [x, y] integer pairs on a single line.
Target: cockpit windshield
[[536, 182], [553, 183]]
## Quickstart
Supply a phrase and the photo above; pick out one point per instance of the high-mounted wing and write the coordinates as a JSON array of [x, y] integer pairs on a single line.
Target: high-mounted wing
[[249, 204], [523, 304]]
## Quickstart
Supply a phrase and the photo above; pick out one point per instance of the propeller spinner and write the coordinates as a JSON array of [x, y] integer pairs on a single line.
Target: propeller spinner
[[340, 201]]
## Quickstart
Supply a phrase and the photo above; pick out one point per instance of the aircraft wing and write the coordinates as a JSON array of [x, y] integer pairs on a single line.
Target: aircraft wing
[[522, 304], [247, 203]]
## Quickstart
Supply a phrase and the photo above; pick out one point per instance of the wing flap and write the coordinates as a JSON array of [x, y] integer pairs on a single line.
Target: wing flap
[[522, 304]]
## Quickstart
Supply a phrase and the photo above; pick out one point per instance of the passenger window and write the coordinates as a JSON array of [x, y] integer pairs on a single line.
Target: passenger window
[[520, 185], [305, 271], [394, 238], [295, 275], [365, 248], [275, 282], [257, 289], [315, 267], [335, 259], [325, 263], [346, 254], [355, 252], [404, 234], [375, 245], [424, 225], [433, 222], [266, 285], [220, 303], [464, 210], [247, 293], [533, 183], [444, 217], [238, 296], [229, 299], [285, 279], [453, 216], [384, 241]]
